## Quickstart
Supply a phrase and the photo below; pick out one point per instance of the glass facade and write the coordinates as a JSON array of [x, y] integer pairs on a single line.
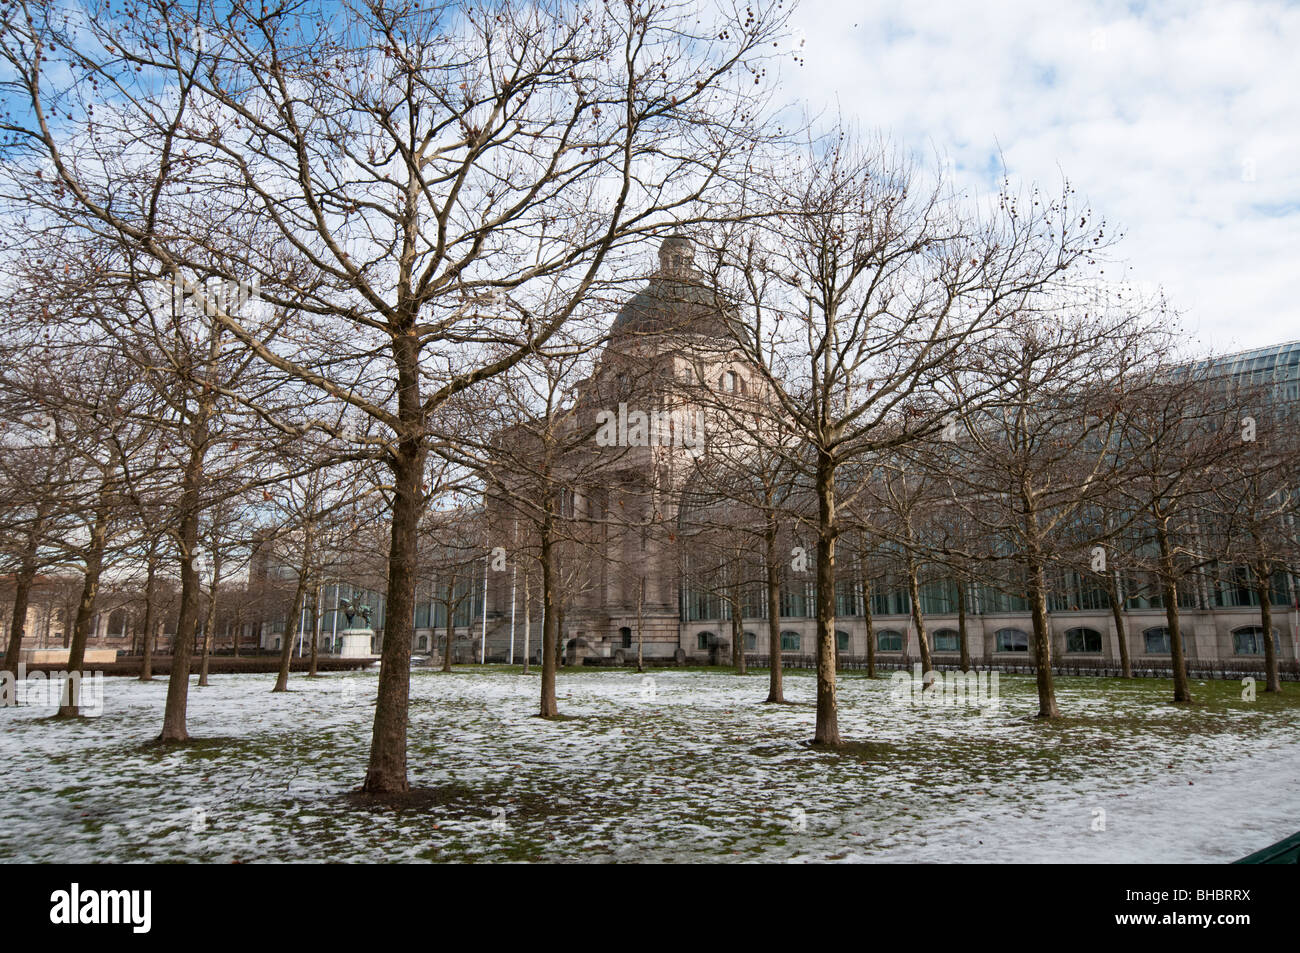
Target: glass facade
[[1276, 367]]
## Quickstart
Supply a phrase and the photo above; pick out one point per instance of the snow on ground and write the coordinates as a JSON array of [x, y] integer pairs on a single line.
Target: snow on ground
[[673, 766]]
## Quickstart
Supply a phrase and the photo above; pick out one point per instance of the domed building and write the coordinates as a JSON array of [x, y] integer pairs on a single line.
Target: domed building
[[676, 303], [628, 568], [640, 410]]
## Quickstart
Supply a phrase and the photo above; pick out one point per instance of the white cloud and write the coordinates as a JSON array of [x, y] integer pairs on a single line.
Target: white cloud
[[1180, 123]]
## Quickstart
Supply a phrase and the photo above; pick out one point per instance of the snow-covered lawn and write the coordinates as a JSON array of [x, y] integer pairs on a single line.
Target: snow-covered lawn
[[689, 767]]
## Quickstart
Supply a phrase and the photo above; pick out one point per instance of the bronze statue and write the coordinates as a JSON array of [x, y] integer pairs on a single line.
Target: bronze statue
[[351, 607]]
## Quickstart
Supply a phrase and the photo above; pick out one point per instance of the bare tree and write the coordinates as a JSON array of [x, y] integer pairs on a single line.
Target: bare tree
[[1177, 435], [1256, 503], [1028, 467], [397, 178], [452, 560], [866, 297], [541, 471]]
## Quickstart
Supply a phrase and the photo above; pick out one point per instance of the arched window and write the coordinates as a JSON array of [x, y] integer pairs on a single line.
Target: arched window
[[841, 640], [947, 640], [625, 634], [1012, 640], [1082, 640], [1249, 640], [791, 641], [424, 642], [1155, 640], [889, 640], [751, 642]]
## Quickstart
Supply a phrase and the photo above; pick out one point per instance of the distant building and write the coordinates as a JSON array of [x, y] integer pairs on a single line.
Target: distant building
[[672, 329], [670, 337], [52, 610]]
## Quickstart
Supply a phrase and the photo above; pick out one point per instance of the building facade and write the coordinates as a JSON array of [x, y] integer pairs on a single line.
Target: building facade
[[672, 330]]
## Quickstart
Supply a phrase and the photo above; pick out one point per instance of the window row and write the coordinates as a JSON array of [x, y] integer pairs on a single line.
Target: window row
[[1248, 640], [1225, 587]]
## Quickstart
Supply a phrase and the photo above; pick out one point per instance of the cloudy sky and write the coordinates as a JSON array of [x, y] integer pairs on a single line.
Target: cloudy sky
[[1179, 122]]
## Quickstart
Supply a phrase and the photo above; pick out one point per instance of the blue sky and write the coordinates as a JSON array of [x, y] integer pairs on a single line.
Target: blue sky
[[1180, 122]]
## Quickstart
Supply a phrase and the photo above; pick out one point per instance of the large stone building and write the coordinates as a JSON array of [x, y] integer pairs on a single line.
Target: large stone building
[[671, 331], [52, 603], [629, 576]]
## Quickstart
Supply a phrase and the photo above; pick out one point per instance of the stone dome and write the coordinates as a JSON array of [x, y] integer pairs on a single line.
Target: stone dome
[[674, 301]]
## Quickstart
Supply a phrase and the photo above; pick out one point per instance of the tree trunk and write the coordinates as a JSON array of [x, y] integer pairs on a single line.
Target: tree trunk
[[640, 637], [1121, 632], [315, 630], [827, 731], [550, 625], [775, 683], [70, 701], [18, 621], [871, 628], [24, 579], [1037, 581], [737, 637], [387, 771], [449, 608], [528, 621], [211, 622], [150, 621], [1264, 590], [178, 682], [291, 627], [1182, 689], [1042, 640], [963, 638], [918, 617]]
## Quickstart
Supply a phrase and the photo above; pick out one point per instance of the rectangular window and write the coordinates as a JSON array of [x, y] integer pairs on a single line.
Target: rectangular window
[[794, 603], [1012, 640], [1156, 641], [1251, 642], [1083, 640]]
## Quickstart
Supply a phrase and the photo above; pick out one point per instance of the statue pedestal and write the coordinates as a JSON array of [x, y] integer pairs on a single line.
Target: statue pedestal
[[356, 643]]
